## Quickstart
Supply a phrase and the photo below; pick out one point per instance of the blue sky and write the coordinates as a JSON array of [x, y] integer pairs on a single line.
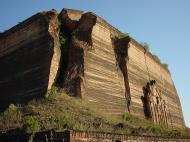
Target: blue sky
[[164, 24]]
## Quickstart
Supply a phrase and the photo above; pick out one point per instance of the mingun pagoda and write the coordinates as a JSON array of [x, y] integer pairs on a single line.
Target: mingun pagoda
[[82, 53]]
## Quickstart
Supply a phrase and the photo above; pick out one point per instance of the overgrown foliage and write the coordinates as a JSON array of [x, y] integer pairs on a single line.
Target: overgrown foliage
[[31, 124], [123, 35], [62, 37], [62, 112], [10, 118], [146, 46], [156, 58], [165, 66]]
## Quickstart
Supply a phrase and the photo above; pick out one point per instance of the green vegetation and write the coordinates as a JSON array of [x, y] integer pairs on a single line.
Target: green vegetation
[[165, 66], [146, 46], [62, 112], [156, 58], [123, 35], [10, 118], [62, 37], [31, 124]]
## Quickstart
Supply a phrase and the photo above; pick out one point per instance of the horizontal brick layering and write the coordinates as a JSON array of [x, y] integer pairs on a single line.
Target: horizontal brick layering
[[91, 67]]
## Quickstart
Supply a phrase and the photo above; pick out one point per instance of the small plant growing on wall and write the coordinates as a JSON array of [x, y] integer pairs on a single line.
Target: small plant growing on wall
[[123, 35], [62, 37], [165, 66], [146, 46], [156, 58]]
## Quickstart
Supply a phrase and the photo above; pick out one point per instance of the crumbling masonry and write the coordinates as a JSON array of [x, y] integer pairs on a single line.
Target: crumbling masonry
[[83, 53]]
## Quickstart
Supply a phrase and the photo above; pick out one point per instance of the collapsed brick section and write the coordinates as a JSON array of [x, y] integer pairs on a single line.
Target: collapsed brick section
[[121, 53], [155, 105], [110, 75], [79, 38]]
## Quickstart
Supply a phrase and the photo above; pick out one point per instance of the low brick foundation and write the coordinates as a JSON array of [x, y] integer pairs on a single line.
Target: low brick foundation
[[84, 136]]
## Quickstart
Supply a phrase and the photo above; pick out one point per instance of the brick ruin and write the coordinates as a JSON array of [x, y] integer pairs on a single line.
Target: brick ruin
[[156, 108], [115, 74], [86, 136]]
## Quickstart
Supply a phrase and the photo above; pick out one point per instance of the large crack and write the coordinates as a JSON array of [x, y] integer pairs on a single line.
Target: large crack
[[121, 53], [79, 38]]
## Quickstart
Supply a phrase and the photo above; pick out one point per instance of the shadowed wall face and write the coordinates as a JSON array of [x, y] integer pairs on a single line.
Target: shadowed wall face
[[26, 53]]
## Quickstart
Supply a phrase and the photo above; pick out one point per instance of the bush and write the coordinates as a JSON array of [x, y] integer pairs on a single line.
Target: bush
[[62, 39], [156, 58], [54, 91], [165, 66], [31, 124], [146, 46], [12, 108], [123, 35], [11, 117]]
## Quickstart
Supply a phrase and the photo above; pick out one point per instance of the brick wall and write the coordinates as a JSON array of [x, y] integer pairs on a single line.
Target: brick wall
[[83, 136], [29, 58], [30, 61]]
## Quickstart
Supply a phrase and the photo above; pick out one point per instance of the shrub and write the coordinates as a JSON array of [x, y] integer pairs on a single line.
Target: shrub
[[165, 66], [31, 124], [62, 39], [11, 117], [156, 58], [54, 91], [12, 107], [146, 46], [123, 35]]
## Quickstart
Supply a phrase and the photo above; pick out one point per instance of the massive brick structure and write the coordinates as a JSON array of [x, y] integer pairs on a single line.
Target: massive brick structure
[[116, 74], [29, 58]]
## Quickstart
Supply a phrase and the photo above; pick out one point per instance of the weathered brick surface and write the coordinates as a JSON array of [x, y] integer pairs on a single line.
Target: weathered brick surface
[[83, 136], [103, 80], [104, 85], [29, 58], [90, 67], [142, 67]]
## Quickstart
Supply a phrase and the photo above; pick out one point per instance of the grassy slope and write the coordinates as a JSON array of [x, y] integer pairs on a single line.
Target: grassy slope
[[61, 112]]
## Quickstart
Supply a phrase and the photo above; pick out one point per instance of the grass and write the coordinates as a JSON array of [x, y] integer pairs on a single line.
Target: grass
[[10, 118], [62, 112]]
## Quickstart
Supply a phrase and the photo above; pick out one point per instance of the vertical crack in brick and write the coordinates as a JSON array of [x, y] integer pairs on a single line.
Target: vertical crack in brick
[[121, 53], [80, 38]]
